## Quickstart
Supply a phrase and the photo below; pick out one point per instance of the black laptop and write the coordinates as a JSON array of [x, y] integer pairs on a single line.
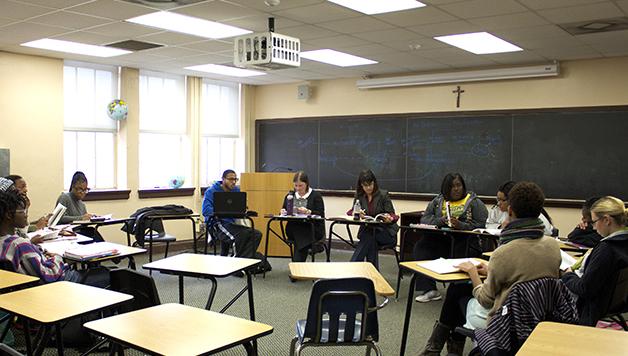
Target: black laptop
[[230, 203]]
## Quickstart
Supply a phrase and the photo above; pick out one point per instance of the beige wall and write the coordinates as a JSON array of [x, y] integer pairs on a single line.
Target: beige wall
[[581, 83]]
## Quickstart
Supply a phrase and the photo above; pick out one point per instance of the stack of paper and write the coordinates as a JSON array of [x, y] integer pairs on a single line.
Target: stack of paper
[[443, 266], [46, 233], [424, 226], [566, 260], [495, 232], [91, 251]]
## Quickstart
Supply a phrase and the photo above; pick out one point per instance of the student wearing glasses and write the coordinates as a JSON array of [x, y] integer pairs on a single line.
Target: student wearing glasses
[[593, 279], [73, 200], [21, 186], [466, 212], [245, 240], [373, 201], [498, 214]]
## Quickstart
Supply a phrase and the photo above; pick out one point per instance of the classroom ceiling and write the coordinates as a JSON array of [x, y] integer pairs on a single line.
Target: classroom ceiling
[[402, 42]]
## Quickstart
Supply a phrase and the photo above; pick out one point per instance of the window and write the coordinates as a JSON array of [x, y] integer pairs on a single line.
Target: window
[[164, 145], [89, 137], [221, 144]]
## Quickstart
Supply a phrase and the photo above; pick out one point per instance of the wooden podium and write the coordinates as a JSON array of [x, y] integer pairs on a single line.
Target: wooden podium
[[265, 193]]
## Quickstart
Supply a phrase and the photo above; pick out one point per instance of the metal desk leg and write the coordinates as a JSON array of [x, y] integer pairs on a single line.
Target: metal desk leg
[[406, 322], [266, 245], [212, 292], [249, 283], [331, 232], [27, 336], [180, 289], [250, 350], [59, 339]]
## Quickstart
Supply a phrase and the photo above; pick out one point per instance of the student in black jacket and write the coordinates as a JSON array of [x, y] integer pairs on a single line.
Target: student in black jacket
[[584, 233], [373, 201], [306, 201], [593, 283]]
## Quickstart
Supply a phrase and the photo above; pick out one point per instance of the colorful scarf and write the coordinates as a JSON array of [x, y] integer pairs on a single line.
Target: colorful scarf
[[529, 228]]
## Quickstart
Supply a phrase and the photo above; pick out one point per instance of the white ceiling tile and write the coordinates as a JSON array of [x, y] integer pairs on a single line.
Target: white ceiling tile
[[368, 49], [384, 36], [283, 5], [172, 52], [336, 42], [112, 9], [426, 65], [570, 53], [307, 32], [383, 68], [559, 42], [211, 46], [524, 33], [417, 45], [414, 17], [6, 21], [439, 2], [521, 57], [522, 19], [123, 29], [314, 14], [581, 13], [550, 4], [21, 11], [142, 56], [169, 38], [356, 25], [623, 4], [23, 32], [199, 59], [260, 23], [217, 11], [482, 8], [445, 28], [88, 38], [57, 4], [396, 58], [70, 20]]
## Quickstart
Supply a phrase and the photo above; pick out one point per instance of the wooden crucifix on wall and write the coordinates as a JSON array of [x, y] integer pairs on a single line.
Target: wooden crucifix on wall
[[458, 91]]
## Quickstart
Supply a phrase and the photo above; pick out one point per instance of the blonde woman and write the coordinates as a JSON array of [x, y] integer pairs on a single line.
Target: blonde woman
[[600, 267]]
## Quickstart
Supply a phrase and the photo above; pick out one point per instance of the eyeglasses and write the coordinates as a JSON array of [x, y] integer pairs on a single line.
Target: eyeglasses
[[596, 220], [21, 211], [81, 190], [233, 179], [501, 200]]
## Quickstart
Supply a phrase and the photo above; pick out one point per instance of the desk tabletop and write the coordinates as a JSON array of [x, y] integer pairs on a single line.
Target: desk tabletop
[[78, 238], [59, 247], [350, 221], [176, 329], [321, 270], [444, 231], [111, 221], [194, 264], [58, 301], [13, 279], [447, 277], [294, 217], [549, 338]]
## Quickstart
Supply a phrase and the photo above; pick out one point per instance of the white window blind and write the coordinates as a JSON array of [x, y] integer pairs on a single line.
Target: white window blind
[[221, 144], [164, 145], [89, 134]]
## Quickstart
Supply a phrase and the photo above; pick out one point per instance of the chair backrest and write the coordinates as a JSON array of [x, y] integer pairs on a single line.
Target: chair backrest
[[619, 300], [139, 285], [345, 303], [7, 265]]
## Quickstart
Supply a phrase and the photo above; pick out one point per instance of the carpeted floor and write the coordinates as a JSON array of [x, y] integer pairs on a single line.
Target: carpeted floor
[[279, 303]]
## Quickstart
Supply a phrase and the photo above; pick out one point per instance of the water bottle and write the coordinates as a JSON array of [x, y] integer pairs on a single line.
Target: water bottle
[[356, 209], [290, 204]]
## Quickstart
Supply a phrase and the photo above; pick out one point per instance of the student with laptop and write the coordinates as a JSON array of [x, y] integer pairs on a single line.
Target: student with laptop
[[245, 240]]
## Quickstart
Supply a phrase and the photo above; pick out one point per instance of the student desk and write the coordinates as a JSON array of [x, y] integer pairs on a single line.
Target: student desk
[[175, 329], [414, 268], [123, 252], [347, 221], [98, 223], [53, 303], [282, 219], [549, 338], [10, 280], [452, 234], [322, 270], [209, 267]]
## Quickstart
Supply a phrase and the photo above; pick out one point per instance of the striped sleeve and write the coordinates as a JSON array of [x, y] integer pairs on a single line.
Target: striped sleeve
[[36, 264]]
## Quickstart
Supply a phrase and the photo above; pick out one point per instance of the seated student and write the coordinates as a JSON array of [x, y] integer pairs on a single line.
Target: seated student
[[245, 239], [26, 257], [524, 254], [373, 201], [498, 215], [309, 202], [584, 233], [603, 262], [467, 213], [73, 200], [22, 188]]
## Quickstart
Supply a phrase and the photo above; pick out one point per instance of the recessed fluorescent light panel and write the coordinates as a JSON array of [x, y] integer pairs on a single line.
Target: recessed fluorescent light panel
[[372, 7], [225, 70], [188, 24], [75, 47], [336, 58], [479, 43]]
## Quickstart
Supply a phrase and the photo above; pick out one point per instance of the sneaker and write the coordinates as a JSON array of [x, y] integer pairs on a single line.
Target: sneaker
[[429, 296]]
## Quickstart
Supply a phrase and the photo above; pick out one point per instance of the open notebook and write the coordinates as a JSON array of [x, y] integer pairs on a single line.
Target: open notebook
[[446, 265]]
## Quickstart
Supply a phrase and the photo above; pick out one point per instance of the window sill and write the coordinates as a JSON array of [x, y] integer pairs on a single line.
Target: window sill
[[165, 193], [114, 194]]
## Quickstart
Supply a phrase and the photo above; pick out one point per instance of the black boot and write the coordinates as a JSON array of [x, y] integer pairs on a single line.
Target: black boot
[[440, 335], [455, 344]]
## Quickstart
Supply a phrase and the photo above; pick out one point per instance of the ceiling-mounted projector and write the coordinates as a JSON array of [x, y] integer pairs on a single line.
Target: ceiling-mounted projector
[[267, 50]]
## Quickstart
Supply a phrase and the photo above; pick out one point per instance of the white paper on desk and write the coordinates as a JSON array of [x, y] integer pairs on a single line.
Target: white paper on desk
[[424, 226], [59, 247], [566, 260], [46, 233], [444, 266], [495, 232]]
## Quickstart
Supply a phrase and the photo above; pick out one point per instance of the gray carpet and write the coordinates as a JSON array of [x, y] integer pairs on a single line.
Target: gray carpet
[[279, 303]]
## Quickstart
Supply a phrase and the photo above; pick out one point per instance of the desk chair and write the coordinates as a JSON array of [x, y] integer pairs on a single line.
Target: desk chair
[[619, 300], [6, 265], [527, 304], [341, 312]]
